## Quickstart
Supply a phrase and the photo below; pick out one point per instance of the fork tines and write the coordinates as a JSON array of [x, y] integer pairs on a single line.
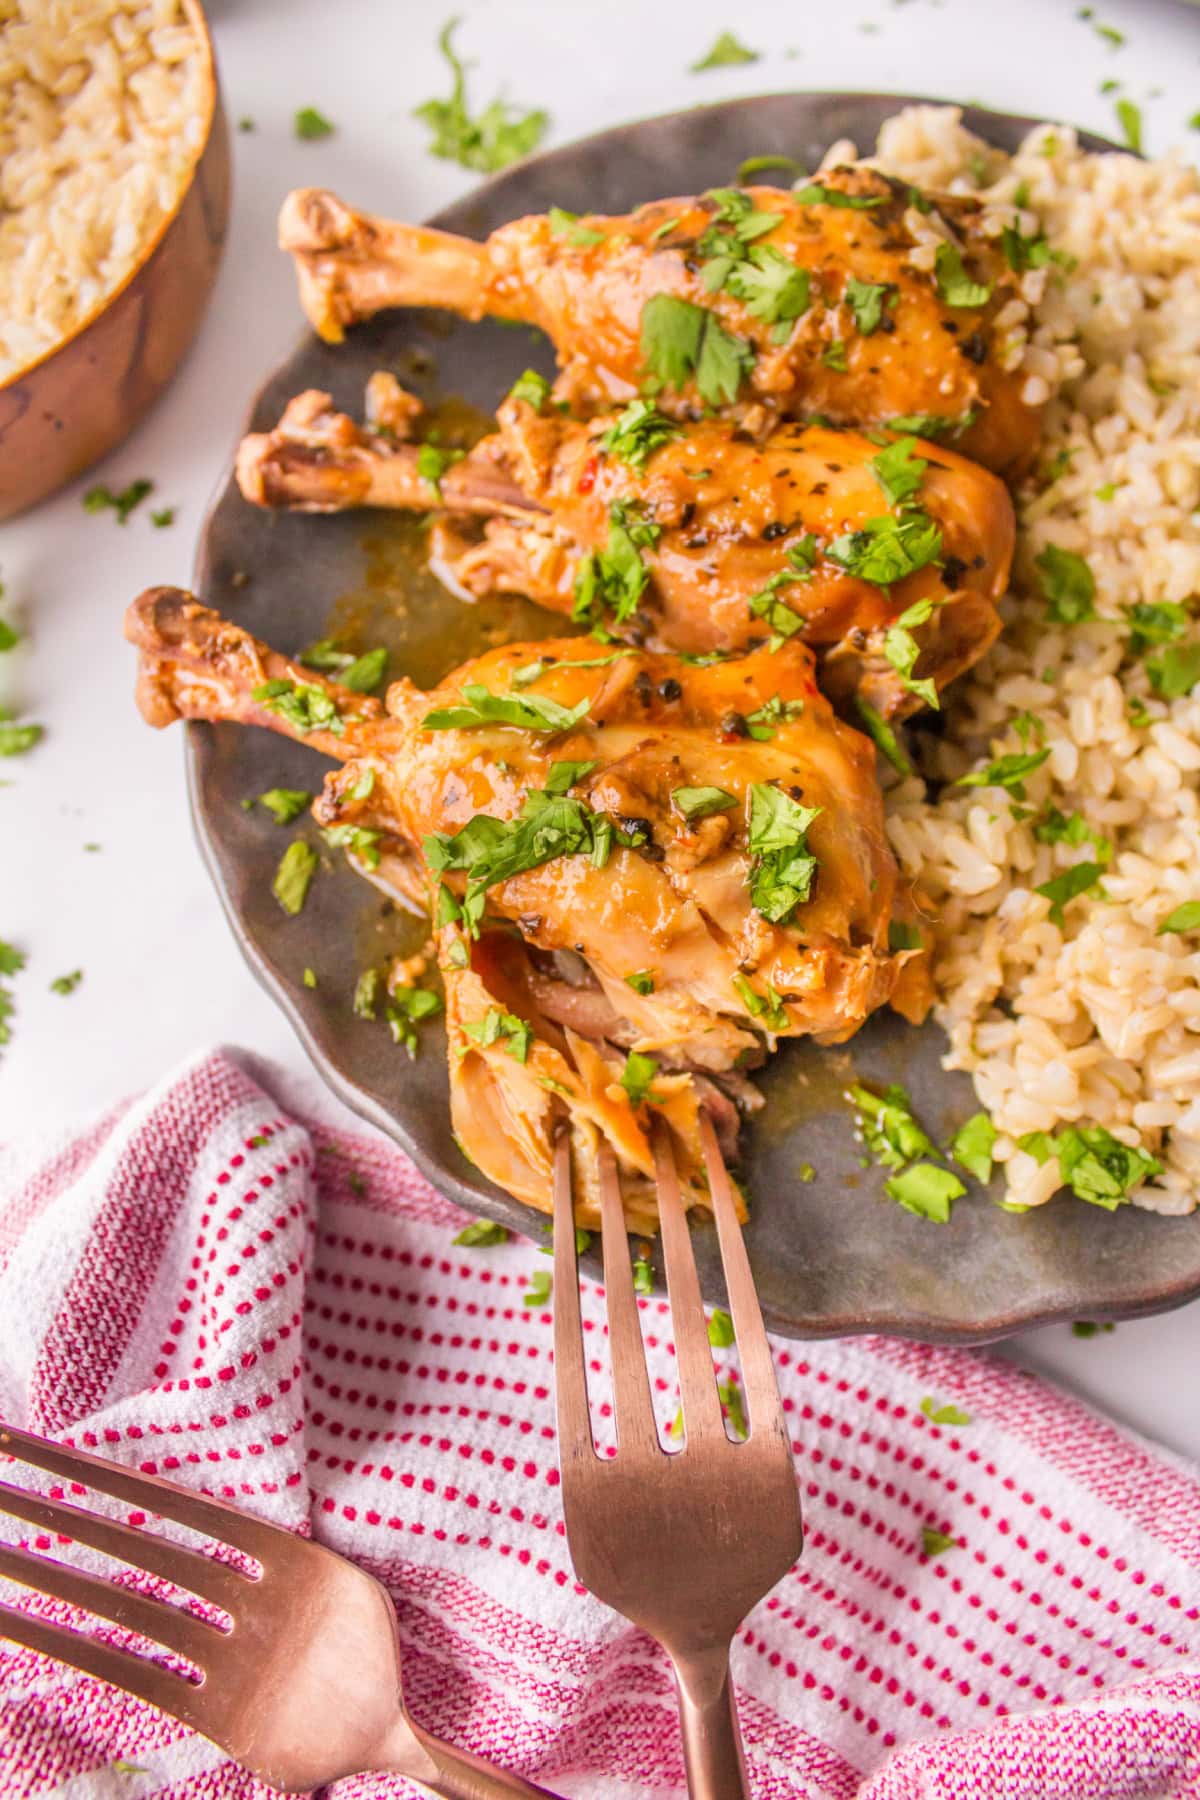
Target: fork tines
[[633, 1408]]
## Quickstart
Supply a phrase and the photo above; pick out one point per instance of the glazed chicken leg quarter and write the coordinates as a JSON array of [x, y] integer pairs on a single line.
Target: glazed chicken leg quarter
[[639, 870], [692, 538], [856, 298]]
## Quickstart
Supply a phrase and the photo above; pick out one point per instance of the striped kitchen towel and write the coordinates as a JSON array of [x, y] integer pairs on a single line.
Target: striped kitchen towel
[[1006, 1605]]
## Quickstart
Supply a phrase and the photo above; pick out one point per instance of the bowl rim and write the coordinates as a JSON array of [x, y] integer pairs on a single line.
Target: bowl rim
[[194, 11]]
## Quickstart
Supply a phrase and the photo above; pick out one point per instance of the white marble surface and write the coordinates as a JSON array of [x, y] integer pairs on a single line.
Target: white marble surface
[[161, 973]]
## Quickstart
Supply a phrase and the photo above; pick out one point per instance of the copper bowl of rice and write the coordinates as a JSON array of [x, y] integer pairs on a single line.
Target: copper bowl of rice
[[114, 198]]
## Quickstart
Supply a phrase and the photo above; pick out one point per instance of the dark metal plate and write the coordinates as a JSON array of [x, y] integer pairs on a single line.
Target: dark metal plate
[[830, 1257]]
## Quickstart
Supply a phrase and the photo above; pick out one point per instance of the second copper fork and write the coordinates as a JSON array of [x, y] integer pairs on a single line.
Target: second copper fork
[[682, 1542]]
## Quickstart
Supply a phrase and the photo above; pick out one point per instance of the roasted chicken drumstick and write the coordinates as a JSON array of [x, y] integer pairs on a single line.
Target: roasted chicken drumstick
[[691, 538], [857, 299], [638, 869]]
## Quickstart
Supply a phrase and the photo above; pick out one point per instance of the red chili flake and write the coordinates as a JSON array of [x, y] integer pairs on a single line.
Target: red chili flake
[[587, 480]]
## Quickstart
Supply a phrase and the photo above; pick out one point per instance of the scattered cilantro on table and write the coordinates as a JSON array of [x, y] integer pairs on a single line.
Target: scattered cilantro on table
[[727, 52], [498, 136]]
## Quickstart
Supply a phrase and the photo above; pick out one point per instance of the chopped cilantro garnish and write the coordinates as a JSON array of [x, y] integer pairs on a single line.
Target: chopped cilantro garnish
[[720, 1328], [360, 673], [1088, 1328], [500, 134], [798, 567], [815, 193], [972, 1146], [927, 1190], [163, 517], [1129, 117], [529, 712], [949, 1414], [309, 123], [933, 1543], [1096, 1166], [366, 994], [502, 1027], [15, 740], [903, 651], [768, 1007], [884, 735], [404, 1008], [610, 582], [285, 804], [638, 1075], [890, 1130], [755, 165], [12, 960], [1023, 253], [643, 1277], [730, 1396], [680, 340], [306, 708], [641, 981], [528, 673], [432, 463], [355, 840], [954, 284], [765, 720], [566, 225], [1152, 623], [903, 936], [1006, 772], [295, 872], [1068, 586], [933, 426], [1185, 917], [66, 984], [538, 1291], [782, 868], [10, 637], [1054, 827], [866, 301], [101, 499], [639, 431], [887, 549], [564, 775], [480, 1234], [531, 387], [1083, 878], [726, 52], [493, 850], [1175, 672], [771, 288], [899, 470], [834, 357], [697, 803]]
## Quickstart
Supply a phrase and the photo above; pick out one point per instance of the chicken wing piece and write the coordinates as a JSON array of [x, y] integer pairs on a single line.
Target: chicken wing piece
[[640, 871], [693, 537], [856, 298]]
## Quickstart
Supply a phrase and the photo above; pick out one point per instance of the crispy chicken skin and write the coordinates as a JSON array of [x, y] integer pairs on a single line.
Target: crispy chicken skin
[[555, 941], [586, 286], [728, 509]]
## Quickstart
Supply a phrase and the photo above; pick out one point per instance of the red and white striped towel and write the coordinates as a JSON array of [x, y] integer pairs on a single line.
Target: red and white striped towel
[[204, 1287]]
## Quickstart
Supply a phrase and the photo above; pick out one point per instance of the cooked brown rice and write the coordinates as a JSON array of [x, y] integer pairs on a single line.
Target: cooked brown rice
[[1096, 1022], [102, 116]]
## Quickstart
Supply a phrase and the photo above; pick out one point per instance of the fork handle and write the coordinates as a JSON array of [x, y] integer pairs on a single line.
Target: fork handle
[[712, 1738], [457, 1775]]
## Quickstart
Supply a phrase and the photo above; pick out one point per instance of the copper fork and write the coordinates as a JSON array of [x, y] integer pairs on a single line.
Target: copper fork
[[301, 1681], [682, 1542]]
